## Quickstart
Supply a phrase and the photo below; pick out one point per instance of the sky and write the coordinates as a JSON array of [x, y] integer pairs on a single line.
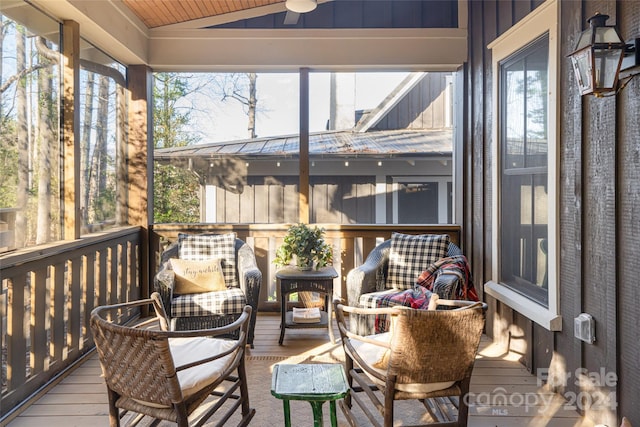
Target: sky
[[278, 105]]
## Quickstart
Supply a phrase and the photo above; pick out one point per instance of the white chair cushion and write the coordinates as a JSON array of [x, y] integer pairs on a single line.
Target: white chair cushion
[[189, 350], [372, 354]]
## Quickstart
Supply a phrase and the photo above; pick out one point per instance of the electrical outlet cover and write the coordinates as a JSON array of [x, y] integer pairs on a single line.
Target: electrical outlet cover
[[585, 328]]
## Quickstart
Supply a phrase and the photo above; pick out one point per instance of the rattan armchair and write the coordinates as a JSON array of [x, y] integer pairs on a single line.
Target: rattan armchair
[[371, 277], [167, 375], [428, 356], [215, 311]]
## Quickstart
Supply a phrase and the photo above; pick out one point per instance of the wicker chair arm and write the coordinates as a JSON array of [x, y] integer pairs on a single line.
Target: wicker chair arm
[[460, 304], [163, 283], [453, 250], [447, 278], [370, 276], [249, 276], [445, 281], [222, 330]]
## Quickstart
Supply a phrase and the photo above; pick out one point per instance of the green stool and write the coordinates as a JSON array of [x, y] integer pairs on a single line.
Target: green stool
[[314, 383]]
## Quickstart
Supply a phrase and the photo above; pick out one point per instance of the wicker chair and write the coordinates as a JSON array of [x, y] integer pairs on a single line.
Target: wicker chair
[[371, 277], [168, 375], [249, 278], [428, 356]]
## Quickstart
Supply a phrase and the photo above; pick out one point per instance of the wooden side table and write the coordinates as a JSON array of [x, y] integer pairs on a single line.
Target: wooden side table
[[315, 383], [294, 280]]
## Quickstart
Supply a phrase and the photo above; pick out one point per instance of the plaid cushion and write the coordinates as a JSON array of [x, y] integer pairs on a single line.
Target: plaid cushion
[[410, 255], [200, 247], [231, 301]]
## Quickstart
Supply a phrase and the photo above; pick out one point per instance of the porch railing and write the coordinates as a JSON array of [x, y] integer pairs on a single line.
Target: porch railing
[[47, 297], [351, 245]]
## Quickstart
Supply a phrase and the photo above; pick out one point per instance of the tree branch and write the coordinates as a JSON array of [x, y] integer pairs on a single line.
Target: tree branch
[[21, 74], [46, 51]]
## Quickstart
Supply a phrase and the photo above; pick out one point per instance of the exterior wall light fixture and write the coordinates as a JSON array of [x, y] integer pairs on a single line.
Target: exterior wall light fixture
[[600, 57]]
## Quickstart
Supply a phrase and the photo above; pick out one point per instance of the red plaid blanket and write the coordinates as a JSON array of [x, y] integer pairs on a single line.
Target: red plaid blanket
[[418, 298], [457, 265]]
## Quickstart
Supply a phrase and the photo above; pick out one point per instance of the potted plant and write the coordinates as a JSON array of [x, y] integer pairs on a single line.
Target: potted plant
[[305, 244]]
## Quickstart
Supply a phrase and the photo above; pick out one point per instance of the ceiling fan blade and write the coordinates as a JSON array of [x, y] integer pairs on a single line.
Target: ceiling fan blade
[[291, 18]]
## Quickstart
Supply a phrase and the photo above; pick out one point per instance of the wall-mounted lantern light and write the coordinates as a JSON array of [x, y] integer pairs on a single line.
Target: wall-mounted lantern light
[[598, 58]]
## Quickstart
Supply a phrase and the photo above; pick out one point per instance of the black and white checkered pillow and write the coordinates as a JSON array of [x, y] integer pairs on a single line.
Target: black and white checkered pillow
[[411, 254], [200, 247]]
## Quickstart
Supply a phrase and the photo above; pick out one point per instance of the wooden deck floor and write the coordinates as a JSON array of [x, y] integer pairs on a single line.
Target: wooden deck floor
[[503, 393]]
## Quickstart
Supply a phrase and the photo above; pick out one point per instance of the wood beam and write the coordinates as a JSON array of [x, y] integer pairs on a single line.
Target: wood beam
[[303, 190], [71, 129], [140, 146], [140, 161]]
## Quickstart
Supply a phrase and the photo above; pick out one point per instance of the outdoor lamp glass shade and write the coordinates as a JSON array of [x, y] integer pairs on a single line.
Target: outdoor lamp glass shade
[[301, 6], [597, 58]]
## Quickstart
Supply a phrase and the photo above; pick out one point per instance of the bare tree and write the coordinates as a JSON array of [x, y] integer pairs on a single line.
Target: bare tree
[[3, 30], [252, 105], [243, 88], [85, 146], [23, 141], [98, 165], [47, 143]]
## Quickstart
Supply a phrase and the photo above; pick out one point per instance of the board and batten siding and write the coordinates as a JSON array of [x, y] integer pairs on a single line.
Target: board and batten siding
[[274, 200], [426, 106], [599, 208]]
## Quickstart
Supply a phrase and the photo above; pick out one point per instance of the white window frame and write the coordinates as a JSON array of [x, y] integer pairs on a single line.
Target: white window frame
[[443, 194], [544, 19]]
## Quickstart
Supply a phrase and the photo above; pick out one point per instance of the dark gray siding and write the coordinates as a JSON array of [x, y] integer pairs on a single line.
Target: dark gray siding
[[424, 107], [274, 200], [343, 199], [599, 193], [365, 14]]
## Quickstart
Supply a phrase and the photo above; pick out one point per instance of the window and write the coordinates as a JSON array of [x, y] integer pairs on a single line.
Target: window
[[102, 139], [525, 67], [523, 181], [431, 194], [380, 143], [30, 198]]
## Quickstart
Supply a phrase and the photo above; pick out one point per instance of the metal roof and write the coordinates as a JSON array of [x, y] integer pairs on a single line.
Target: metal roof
[[384, 143]]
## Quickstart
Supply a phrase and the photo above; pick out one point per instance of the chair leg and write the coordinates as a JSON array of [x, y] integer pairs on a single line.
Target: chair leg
[[114, 413], [247, 411], [388, 407], [181, 415], [244, 390], [463, 407], [348, 366], [252, 327]]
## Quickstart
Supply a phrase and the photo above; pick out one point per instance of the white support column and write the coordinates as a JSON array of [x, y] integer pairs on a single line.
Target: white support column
[[381, 199], [210, 203], [443, 199]]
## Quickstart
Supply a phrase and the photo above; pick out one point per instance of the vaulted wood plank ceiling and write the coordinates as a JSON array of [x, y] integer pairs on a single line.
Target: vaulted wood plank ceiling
[[156, 13]]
